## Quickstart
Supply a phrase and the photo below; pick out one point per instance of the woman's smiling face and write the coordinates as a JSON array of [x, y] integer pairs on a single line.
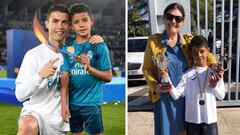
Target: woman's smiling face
[[173, 21]]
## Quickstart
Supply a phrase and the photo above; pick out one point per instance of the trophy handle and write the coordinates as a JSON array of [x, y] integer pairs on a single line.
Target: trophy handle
[[225, 59]]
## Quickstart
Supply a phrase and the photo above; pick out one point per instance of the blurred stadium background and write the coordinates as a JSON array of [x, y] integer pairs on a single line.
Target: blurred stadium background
[[109, 18], [16, 37]]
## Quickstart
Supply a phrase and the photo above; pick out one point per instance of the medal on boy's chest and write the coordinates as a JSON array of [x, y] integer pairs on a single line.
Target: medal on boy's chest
[[201, 100], [201, 96]]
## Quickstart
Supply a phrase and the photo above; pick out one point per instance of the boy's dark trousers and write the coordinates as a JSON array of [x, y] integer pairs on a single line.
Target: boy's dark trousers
[[201, 129]]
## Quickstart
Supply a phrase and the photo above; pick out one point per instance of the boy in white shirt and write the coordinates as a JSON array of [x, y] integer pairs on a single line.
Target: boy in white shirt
[[200, 89]]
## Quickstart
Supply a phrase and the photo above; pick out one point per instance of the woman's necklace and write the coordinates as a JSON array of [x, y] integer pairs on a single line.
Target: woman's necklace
[[201, 101]]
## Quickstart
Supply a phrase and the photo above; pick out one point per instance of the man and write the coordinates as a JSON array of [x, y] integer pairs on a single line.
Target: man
[[37, 81]]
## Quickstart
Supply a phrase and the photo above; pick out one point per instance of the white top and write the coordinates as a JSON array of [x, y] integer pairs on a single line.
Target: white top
[[42, 95], [189, 87]]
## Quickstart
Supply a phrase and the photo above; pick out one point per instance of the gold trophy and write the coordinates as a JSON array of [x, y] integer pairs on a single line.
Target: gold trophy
[[161, 61]]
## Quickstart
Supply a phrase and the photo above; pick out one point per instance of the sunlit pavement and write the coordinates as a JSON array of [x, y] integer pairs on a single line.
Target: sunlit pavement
[[140, 115]]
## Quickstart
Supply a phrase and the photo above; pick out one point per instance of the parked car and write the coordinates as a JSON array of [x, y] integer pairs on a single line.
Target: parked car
[[136, 48]]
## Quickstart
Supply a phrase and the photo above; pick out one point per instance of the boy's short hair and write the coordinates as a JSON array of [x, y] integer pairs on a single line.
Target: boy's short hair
[[198, 41], [79, 8], [57, 7]]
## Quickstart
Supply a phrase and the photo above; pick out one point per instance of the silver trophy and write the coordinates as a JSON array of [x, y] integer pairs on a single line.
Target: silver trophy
[[219, 66], [162, 64]]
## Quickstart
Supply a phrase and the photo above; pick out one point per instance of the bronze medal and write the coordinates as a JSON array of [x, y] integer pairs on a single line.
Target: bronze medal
[[201, 102]]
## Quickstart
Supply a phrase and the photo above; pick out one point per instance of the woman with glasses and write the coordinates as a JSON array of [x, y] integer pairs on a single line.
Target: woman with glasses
[[169, 52]]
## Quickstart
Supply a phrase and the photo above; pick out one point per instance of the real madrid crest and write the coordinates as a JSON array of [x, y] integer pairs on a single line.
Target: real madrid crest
[[70, 49]]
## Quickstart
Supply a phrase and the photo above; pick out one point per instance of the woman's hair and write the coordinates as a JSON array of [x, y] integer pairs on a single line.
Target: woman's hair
[[175, 6], [198, 41]]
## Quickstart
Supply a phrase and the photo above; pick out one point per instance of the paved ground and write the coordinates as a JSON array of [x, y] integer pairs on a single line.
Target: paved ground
[[141, 123], [140, 115]]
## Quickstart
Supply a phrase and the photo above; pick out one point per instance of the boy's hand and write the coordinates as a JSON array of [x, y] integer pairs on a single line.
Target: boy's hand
[[48, 69], [85, 61], [165, 88], [161, 89], [221, 71], [213, 80], [65, 113], [164, 84], [217, 70], [216, 75], [95, 39]]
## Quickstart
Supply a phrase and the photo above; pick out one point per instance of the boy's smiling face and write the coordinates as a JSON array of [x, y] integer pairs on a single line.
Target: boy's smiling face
[[200, 55], [81, 24]]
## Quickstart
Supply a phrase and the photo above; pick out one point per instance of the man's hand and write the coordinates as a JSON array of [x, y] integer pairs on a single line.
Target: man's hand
[[48, 69], [65, 113], [95, 39]]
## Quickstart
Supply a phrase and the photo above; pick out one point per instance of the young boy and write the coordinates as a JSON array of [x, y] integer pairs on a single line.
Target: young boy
[[84, 75], [200, 89]]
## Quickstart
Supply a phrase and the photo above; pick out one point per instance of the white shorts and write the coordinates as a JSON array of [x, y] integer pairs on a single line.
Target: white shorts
[[43, 126]]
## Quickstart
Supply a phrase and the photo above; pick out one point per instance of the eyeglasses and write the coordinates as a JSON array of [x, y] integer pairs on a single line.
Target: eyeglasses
[[170, 17]]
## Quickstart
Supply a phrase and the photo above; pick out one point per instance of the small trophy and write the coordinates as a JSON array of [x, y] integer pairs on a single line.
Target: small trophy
[[162, 64], [219, 66]]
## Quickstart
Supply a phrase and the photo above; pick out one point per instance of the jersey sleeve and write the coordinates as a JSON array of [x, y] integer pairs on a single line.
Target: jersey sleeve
[[104, 57]]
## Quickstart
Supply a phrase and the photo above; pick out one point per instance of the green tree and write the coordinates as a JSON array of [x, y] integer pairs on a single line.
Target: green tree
[[210, 16], [202, 15], [138, 18]]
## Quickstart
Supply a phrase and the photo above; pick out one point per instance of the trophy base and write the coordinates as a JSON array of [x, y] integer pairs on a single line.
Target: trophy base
[[165, 87]]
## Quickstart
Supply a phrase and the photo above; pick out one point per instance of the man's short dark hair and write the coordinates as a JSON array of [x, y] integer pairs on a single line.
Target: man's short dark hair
[[198, 41], [79, 8], [57, 7]]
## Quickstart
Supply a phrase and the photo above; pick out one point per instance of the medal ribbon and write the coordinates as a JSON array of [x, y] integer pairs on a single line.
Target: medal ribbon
[[62, 51], [201, 89]]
